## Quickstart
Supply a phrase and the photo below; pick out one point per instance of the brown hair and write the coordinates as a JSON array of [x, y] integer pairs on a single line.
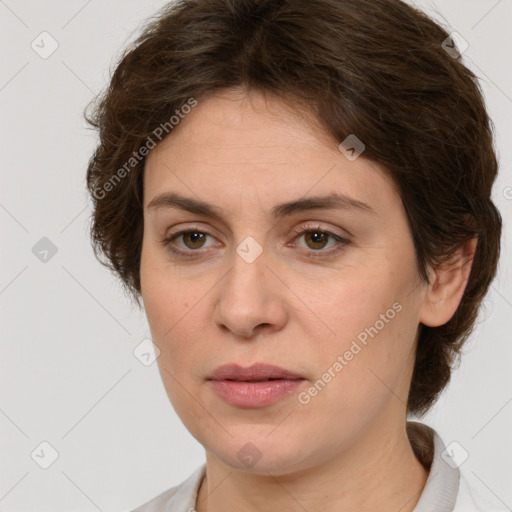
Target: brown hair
[[374, 68]]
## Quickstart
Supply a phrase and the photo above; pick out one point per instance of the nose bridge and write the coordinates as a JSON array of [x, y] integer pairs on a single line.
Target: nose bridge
[[246, 284], [250, 294]]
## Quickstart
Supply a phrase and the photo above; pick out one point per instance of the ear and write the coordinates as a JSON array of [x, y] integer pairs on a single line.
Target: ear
[[448, 282]]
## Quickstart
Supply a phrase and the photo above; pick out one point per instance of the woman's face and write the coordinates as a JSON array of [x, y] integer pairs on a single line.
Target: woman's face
[[338, 306]]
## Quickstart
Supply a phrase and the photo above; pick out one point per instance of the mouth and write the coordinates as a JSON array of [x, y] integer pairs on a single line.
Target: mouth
[[255, 380], [259, 385], [259, 372]]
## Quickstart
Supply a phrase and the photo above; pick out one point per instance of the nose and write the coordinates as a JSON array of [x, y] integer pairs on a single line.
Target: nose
[[251, 299]]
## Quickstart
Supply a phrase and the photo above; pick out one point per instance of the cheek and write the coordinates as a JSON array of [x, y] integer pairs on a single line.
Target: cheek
[[172, 309], [174, 317], [353, 301], [373, 320], [167, 298], [171, 306]]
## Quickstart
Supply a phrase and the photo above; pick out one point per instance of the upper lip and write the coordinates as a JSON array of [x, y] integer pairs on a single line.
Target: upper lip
[[257, 371]]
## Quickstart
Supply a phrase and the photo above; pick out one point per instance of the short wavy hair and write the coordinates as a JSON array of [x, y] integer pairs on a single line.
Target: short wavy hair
[[380, 69]]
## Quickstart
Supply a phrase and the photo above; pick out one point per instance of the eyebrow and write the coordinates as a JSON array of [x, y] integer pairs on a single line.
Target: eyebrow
[[333, 201]]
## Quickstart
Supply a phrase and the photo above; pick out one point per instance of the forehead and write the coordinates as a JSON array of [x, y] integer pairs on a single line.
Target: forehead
[[231, 147], [231, 125]]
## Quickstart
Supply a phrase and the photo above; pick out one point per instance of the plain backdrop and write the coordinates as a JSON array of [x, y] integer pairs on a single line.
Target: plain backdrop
[[69, 376]]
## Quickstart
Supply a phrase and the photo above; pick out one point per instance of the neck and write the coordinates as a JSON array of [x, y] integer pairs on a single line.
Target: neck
[[380, 472]]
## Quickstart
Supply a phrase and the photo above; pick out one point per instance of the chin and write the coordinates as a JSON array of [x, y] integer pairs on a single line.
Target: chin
[[248, 452]]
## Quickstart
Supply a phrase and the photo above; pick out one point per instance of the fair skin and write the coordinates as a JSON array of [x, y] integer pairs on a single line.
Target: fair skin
[[347, 448]]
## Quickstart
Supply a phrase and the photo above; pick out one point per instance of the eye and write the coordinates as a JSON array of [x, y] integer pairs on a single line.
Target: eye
[[193, 239], [317, 239]]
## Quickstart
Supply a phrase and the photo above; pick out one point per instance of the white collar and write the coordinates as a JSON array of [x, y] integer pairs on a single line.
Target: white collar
[[442, 485]]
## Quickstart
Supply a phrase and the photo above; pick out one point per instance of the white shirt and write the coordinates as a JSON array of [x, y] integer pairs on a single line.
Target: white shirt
[[446, 489]]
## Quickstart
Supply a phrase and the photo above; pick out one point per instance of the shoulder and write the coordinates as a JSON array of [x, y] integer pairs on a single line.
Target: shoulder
[[158, 503], [448, 487], [471, 499], [180, 498]]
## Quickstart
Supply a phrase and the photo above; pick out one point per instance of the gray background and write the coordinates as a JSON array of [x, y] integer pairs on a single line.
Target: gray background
[[67, 368]]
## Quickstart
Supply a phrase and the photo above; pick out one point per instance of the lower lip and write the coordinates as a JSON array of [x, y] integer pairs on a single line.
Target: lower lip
[[254, 394]]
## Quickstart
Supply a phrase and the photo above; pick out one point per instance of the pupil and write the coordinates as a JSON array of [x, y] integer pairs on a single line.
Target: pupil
[[316, 236], [195, 236]]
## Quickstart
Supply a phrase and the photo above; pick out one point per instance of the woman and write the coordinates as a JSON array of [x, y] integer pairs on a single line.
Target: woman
[[300, 193]]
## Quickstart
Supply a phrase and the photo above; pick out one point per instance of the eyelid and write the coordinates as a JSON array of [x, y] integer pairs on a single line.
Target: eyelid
[[176, 234], [317, 226], [302, 229], [341, 241]]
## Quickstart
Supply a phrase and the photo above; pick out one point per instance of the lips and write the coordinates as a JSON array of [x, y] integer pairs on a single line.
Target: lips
[[259, 372], [259, 385]]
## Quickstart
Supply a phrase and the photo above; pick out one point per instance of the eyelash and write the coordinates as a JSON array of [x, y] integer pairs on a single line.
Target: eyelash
[[320, 253]]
